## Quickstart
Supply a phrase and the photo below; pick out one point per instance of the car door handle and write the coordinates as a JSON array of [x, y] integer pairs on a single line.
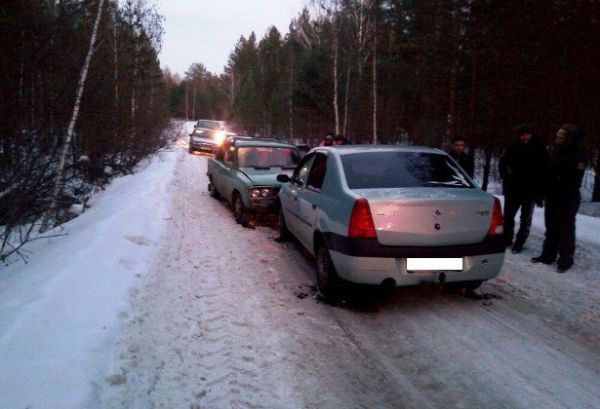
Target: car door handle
[[295, 198], [314, 206]]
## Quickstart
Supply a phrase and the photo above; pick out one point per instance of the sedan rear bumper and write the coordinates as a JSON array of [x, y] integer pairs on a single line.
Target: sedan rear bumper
[[368, 262], [374, 270]]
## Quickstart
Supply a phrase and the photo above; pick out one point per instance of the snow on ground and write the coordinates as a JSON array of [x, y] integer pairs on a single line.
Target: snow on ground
[[225, 317], [58, 311]]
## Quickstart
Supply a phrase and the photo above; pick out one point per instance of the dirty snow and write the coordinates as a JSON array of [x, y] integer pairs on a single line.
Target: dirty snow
[[225, 317]]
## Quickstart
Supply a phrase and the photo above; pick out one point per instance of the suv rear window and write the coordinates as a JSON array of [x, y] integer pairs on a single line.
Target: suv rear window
[[376, 170]]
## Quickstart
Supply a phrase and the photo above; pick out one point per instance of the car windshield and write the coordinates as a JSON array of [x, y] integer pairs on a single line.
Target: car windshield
[[372, 170], [267, 157], [208, 125]]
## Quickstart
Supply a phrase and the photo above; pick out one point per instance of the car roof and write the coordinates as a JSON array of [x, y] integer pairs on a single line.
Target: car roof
[[262, 143], [349, 149]]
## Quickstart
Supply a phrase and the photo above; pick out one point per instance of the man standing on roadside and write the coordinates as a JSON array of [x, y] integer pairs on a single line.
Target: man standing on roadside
[[328, 140], [457, 152], [566, 167], [522, 169]]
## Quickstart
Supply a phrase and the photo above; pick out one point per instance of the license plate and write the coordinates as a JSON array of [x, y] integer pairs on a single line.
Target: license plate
[[434, 264]]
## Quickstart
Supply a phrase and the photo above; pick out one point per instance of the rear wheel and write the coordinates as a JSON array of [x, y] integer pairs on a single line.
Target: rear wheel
[[466, 285], [212, 191], [327, 280], [240, 213], [471, 285]]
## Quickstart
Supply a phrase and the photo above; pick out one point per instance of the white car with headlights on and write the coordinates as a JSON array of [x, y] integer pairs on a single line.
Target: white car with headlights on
[[207, 141], [392, 216]]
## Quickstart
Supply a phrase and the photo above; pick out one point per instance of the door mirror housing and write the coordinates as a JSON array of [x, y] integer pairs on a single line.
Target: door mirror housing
[[283, 178]]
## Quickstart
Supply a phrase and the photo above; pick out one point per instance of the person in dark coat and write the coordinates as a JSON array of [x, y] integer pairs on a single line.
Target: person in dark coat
[[457, 152], [340, 140], [328, 140], [566, 167], [522, 169]]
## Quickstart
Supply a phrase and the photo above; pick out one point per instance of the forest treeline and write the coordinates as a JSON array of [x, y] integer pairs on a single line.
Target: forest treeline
[[411, 70], [83, 100]]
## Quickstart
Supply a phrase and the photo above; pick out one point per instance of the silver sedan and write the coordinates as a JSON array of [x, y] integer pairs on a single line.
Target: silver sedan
[[392, 216]]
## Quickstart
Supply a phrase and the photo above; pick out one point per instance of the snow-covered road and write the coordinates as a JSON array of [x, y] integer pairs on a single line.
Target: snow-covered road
[[227, 318], [207, 314]]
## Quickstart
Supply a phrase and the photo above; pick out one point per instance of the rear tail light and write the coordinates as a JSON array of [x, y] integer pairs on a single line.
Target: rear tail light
[[497, 224], [361, 221]]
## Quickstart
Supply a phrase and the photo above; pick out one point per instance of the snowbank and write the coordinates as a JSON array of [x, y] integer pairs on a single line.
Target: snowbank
[[60, 309]]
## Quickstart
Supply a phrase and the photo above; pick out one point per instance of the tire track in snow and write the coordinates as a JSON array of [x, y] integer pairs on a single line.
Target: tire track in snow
[[196, 341]]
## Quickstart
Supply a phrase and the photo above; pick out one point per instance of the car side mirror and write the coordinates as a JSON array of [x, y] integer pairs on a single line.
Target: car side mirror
[[283, 178]]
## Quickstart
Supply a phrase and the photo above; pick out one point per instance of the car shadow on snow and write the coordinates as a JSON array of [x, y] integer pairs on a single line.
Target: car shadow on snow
[[371, 299]]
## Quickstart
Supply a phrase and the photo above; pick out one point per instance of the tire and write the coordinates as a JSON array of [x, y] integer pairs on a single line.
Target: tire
[[284, 233], [240, 213], [327, 280], [212, 191], [471, 285], [466, 285]]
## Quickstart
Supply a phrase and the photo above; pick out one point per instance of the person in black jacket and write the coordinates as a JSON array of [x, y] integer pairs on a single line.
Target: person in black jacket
[[565, 171], [522, 169], [457, 152]]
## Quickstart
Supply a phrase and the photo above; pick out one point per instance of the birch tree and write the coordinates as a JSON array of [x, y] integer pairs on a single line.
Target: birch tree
[[71, 128]]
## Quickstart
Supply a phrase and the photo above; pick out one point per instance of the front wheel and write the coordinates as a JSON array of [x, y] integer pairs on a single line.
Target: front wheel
[[327, 280], [240, 213], [284, 233]]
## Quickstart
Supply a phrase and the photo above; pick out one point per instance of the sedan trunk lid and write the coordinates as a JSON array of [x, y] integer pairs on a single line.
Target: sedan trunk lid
[[426, 216]]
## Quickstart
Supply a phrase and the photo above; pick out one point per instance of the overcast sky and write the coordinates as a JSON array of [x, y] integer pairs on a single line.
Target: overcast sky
[[206, 31]]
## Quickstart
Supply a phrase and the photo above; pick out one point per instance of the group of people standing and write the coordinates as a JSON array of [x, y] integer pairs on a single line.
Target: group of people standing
[[533, 175], [331, 140]]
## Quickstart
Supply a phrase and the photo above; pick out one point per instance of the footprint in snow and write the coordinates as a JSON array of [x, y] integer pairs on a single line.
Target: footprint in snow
[[139, 240]]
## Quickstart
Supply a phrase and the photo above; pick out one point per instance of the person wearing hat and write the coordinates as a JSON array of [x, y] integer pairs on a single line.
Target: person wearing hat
[[522, 169], [566, 167]]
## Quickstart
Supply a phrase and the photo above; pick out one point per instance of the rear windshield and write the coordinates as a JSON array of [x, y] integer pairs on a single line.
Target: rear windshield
[[372, 170], [267, 157], [208, 125]]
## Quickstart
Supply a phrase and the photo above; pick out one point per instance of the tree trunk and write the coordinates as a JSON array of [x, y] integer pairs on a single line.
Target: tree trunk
[[487, 167], [375, 82], [75, 114], [452, 111], [133, 90], [22, 77], [291, 97], [193, 99], [336, 111], [346, 99], [116, 71], [596, 192], [187, 112]]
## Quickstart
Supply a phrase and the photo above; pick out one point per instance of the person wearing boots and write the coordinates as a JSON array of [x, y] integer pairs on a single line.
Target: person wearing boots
[[457, 152], [522, 169], [565, 172]]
